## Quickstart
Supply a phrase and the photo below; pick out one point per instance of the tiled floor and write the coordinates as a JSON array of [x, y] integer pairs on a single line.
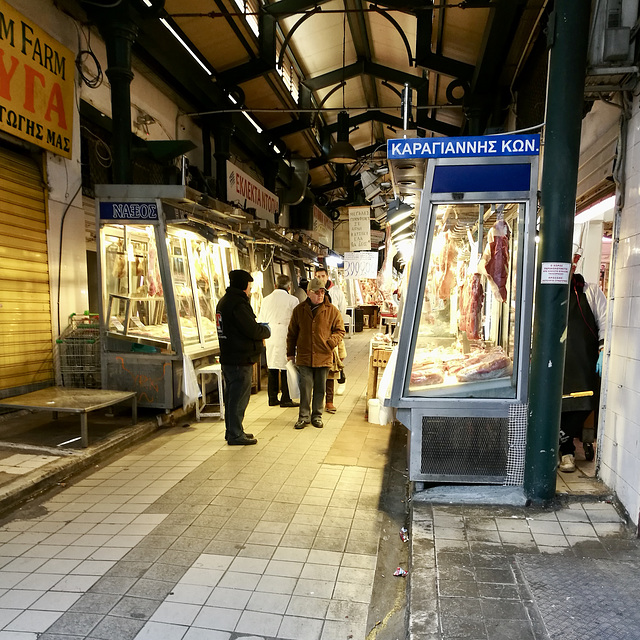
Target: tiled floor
[[467, 561], [185, 537]]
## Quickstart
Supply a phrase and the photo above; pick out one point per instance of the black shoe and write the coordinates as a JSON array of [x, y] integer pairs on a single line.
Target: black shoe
[[289, 403], [245, 434], [301, 424], [274, 403], [242, 440], [317, 423], [589, 453]]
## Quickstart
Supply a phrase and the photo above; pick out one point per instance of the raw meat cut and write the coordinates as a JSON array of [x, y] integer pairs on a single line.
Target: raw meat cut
[[495, 258], [427, 376], [444, 264], [471, 302], [495, 364]]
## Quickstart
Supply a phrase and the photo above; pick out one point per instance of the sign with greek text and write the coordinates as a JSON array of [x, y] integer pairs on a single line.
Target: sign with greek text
[[360, 264], [464, 147], [360, 228], [322, 228], [555, 273], [36, 84], [247, 193], [128, 211]]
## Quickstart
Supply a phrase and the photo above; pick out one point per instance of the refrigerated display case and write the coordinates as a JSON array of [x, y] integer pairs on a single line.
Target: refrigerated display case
[[162, 275], [461, 371]]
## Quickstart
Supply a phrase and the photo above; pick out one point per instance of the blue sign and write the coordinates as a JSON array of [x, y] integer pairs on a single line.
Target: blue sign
[[141, 211], [464, 147]]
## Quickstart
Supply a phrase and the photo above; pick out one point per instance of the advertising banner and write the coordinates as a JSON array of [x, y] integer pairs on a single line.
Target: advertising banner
[[247, 193], [36, 84]]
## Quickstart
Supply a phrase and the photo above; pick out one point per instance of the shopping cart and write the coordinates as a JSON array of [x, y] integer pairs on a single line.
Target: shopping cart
[[78, 352]]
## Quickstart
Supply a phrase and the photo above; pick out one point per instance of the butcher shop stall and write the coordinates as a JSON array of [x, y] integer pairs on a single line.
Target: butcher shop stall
[[462, 361], [164, 258]]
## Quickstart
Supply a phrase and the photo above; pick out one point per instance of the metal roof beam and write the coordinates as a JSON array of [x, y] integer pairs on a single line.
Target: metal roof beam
[[360, 36], [426, 59], [484, 91], [367, 68], [285, 8]]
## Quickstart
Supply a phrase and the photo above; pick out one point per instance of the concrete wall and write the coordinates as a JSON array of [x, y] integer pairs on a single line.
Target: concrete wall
[[619, 435]]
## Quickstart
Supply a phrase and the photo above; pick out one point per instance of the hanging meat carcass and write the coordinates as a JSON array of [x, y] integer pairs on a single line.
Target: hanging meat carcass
[[495, 259], [471, 302]]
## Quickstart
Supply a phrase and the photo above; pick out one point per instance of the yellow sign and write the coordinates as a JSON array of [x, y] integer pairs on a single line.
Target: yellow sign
[[36, 84]]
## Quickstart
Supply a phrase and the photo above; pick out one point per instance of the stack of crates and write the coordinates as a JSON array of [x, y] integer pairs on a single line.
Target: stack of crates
[[78, 352]]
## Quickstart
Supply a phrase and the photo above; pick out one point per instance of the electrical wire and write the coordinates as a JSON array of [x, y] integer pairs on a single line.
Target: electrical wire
[[105, 159], [95, 80]]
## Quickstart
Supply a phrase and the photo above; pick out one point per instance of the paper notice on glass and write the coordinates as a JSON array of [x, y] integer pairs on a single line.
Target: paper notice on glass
[[555, 272]]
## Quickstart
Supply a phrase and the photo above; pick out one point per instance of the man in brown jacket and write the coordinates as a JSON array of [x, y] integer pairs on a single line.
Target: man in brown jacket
[[315, 329]]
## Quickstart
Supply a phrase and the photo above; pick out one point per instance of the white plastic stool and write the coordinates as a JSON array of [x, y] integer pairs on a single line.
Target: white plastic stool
[[202, 372]]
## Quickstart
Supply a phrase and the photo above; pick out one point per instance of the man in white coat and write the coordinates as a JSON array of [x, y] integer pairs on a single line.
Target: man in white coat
[[276, 311]]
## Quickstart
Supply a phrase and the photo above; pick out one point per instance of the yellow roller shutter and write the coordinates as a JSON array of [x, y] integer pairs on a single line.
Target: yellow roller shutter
[[26, 361]]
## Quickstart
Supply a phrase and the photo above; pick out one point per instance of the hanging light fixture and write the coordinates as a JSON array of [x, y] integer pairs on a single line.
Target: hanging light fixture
[[342, 151], [399, 210]]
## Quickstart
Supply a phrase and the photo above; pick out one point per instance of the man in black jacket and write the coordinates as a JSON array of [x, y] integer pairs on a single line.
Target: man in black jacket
[[241, 342]]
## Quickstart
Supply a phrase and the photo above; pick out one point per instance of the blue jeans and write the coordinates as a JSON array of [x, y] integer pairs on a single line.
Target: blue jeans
[[237, 391], [312, 381]]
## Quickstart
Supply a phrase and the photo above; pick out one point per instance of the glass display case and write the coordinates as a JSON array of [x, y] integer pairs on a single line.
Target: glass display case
[[466, 343], [135, 297], [460, 382], [161, 280]]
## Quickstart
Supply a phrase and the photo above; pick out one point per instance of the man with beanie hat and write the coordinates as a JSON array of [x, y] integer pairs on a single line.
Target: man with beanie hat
[[241, 342]]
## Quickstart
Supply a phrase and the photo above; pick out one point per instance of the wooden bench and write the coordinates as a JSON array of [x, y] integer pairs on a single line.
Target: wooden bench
[[68, 400]]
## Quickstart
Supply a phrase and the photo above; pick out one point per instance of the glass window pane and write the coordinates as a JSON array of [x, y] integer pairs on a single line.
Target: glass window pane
[[183, 291], [134, 296], [205, 292], [466, 342]]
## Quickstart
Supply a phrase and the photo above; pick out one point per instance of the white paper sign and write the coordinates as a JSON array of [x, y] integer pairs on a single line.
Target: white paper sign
[[363, 264], [360, 228], [555, 272]]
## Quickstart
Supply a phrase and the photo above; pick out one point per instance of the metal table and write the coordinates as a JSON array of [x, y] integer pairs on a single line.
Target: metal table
[[68, 400]]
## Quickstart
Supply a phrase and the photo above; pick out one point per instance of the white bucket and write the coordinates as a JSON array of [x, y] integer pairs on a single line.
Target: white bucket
[[374, 411]]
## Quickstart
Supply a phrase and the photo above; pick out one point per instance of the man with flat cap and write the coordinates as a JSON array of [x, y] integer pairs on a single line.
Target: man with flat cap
[[315, 329], [241, 343]]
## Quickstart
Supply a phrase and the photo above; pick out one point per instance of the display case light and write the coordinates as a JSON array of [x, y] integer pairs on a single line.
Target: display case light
[[400, 215], [402, 227], [403, 236], [224, 241]]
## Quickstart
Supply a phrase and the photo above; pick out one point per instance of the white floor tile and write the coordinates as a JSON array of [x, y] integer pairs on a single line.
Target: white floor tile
[[217, 618], [35, 621], [176, 613]]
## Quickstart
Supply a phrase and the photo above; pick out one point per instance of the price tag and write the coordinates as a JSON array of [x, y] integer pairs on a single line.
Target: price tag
[[360, 264], [117, 324], [137, 323]]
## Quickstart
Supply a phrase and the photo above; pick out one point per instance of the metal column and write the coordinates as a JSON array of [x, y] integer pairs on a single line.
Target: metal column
[[568, 35]]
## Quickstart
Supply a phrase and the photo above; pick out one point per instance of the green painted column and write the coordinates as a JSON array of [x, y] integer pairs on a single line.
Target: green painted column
[[119, 33], [568, 36]]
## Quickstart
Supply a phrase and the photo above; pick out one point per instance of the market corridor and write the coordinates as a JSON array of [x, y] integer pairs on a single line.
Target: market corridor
[[187, 538]]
